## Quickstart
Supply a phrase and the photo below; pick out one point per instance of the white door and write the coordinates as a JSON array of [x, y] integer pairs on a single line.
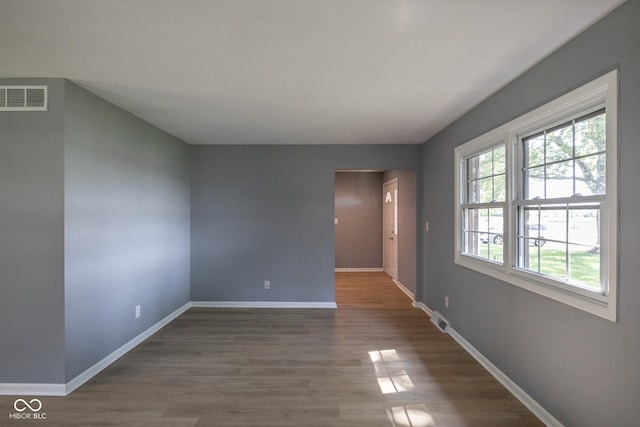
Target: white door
[[390, 228]]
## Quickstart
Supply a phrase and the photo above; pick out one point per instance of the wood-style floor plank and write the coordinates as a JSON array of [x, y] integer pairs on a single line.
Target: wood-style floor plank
[[375, 361]]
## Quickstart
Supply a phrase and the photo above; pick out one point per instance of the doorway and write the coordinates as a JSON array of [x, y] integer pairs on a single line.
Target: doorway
[[360, 239], [390, 228]]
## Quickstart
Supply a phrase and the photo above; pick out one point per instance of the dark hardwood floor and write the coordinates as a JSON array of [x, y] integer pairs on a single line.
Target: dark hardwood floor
[[375, 361]]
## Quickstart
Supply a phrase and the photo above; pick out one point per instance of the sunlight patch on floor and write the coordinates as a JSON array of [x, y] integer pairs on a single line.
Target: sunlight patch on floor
[[410, 416], [391, 375]]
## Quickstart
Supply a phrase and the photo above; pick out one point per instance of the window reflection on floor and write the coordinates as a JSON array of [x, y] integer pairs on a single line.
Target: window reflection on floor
[[393, 378], [391, 375], [410, 416]]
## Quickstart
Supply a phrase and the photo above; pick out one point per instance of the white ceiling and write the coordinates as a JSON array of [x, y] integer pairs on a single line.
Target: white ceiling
[[289, 71]]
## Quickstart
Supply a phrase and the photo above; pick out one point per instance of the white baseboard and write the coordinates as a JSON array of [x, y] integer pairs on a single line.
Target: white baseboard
[[359, 270], [64, 389], [262, 304], [423, 307], [404, 289], [102, 364], [32, 389], [528, 401]]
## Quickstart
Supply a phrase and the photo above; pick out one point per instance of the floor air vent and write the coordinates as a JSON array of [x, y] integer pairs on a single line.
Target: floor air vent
[[440, 321], [23, 98]]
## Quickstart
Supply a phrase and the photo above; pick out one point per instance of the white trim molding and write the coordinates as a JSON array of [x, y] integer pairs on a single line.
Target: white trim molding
[[422, 306], [528, 401], [102, 364], [359, 270], [65, 389], [32, 389], [404, 289], [262, 304]]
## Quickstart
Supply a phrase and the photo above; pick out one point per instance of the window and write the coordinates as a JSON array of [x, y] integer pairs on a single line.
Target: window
[[536, 200], [484, 206], [563, 187]]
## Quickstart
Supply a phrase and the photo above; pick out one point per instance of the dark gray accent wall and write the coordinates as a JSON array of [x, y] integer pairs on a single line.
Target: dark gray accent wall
[[267, 213], [31, 241], [358, 209], [407, 232], [583, 369], [127, 229]]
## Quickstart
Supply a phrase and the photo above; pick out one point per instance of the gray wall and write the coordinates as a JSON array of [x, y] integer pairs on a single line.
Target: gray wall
[[94, 219], [127, 209], [31, 241], [407, 233], [358, 208], [266, 213], [583, 369]]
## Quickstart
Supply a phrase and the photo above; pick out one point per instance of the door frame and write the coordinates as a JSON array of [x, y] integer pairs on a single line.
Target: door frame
[[393, 270]]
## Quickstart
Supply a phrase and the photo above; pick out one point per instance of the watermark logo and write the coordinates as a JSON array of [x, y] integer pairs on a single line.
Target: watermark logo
[[21, 405], [28, 410]]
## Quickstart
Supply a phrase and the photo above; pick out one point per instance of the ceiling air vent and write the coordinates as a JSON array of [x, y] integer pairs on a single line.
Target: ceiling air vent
[[23, 98]]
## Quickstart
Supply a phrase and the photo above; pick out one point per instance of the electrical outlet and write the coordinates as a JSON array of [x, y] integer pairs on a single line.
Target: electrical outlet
[[137, 311], [446, 301], [267, 284]]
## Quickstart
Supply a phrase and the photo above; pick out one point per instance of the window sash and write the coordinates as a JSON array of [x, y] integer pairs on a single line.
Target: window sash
[[483, 238], [571, 161], [562, 247], [481, 169], [579, 252], [474, 176]]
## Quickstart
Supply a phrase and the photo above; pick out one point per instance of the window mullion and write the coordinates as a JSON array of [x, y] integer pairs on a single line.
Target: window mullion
[[544, 164], [512, 178], [566, 253]]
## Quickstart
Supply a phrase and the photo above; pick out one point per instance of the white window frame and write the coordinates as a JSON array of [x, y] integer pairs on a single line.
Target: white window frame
[[599, 93], [464, 204]]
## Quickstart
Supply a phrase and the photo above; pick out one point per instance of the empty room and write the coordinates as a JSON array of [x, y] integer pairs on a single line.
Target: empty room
[[319, 213]]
